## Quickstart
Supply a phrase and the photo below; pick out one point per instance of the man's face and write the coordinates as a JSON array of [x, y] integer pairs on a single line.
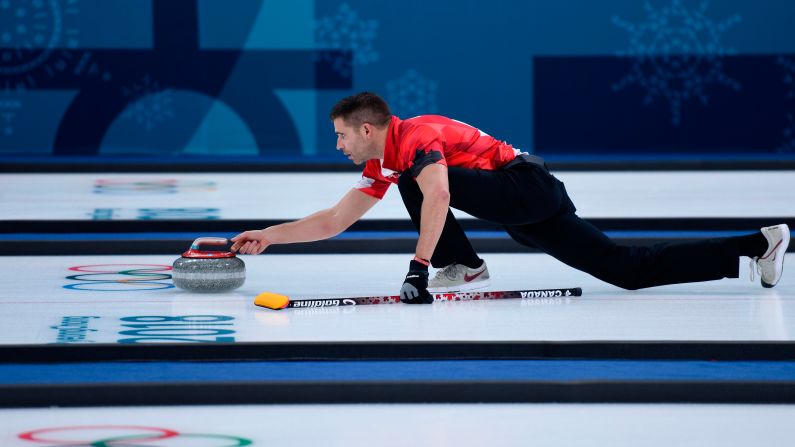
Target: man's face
[[353, 142]]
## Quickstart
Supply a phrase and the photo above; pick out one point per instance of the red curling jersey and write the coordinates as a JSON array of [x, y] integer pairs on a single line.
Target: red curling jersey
[[414, 143]]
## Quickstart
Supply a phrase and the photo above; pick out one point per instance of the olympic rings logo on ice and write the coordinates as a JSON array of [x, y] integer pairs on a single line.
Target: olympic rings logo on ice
[[120, 277], [125, 436]]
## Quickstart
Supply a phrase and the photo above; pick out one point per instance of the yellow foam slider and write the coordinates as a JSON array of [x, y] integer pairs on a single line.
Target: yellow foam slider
[[272, 300]]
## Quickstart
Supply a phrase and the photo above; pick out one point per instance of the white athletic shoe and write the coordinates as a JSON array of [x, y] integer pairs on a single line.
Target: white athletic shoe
[[459, 278], [771, 264]]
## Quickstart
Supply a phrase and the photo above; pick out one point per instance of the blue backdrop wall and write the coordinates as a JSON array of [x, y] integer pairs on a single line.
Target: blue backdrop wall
[[257, 77]]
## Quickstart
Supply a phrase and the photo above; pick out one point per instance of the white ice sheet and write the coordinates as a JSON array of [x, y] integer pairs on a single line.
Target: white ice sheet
[[409, 425], [294, 195], [35, 306]]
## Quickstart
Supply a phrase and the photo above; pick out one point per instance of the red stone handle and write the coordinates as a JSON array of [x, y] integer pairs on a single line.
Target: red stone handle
[[194, 251], [208, 241]]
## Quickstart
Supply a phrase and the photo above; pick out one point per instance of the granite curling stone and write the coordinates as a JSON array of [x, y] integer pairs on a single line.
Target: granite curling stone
[[208, 271]]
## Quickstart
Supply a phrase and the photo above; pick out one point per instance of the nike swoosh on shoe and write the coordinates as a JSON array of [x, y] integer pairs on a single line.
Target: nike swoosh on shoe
[[773, 250], [468, 278]]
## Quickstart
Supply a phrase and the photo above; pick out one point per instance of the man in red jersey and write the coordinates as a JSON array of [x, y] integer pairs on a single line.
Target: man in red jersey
[[439, 163]]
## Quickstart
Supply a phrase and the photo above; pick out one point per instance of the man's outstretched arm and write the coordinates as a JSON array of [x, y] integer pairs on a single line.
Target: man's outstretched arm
[[320, 225]]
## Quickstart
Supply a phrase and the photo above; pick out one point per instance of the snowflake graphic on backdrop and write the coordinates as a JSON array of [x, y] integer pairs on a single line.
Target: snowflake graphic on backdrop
[[411, 94], [30, 34], [789, 82], [149, 104], [677, 53], [346, 31]]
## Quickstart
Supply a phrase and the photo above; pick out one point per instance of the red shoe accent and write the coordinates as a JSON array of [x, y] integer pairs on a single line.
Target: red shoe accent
[[468, 278], [773, 250]]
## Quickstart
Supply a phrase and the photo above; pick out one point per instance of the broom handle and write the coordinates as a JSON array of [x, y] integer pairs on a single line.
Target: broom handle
[[457, 296]]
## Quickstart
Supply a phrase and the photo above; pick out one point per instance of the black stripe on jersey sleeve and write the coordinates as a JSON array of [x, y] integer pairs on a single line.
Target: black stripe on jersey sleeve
[[423, 158]]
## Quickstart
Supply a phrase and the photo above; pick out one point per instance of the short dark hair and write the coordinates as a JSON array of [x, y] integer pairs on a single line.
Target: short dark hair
[[364, 107]]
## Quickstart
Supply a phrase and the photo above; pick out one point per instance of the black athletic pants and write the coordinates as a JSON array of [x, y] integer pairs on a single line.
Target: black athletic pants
[[536, 211]]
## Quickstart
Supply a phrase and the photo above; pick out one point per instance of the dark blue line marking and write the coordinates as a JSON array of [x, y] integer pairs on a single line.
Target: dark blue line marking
[[448, 370]]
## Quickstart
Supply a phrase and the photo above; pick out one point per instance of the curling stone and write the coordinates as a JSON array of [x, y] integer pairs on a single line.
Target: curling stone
[[208, 271]]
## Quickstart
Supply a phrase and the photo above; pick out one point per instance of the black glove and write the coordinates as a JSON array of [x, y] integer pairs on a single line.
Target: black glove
[[415, 286]]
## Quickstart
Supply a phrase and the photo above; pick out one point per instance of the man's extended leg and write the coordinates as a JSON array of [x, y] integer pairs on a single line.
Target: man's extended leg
[[536, 211], [579, 244]]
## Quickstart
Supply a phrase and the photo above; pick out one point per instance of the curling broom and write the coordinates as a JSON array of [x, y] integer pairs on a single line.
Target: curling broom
[[277, 301]]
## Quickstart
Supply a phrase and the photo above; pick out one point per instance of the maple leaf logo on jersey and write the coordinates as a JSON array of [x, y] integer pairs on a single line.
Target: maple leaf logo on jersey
[[365, 182], [390, 174]]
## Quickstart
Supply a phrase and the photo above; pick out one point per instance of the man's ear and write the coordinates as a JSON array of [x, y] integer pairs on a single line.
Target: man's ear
[[367, 129]]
